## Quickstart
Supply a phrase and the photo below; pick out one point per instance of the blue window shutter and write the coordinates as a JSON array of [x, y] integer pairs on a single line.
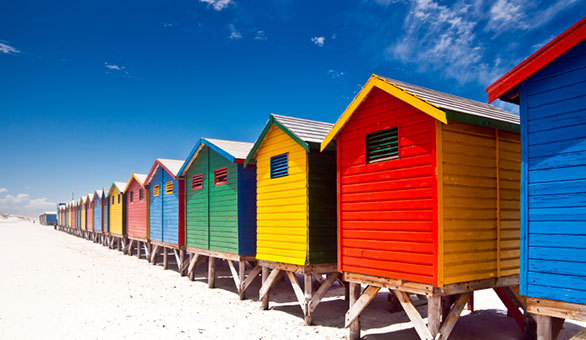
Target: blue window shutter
[[280, 165]]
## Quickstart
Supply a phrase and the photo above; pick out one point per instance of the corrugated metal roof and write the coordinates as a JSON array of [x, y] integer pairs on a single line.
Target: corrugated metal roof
[[307, 130], [454, 103], [238, 150], [173, 165]]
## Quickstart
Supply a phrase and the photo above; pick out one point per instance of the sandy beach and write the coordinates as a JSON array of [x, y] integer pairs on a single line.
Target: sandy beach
[[57, 286]]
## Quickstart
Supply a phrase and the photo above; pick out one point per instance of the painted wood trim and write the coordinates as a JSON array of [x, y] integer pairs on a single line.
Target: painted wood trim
[[439, 198], [390, 88], [498, 204], [339, 207], [524, 192]]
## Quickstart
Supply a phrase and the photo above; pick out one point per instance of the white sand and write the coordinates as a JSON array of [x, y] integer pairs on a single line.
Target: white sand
[[57, 286]]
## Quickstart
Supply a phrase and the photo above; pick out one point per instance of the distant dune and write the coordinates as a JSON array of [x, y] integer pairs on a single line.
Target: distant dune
[[5, 217]]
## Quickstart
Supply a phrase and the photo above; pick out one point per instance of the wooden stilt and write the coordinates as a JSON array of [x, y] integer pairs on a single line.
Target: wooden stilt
[[181, 263], [354, 326], [165, 257], [268, 281], [434, 309], [154, 254], [138, 250], [190, 267], [544, 327], [241, 277], [211, 272], [307, 287]]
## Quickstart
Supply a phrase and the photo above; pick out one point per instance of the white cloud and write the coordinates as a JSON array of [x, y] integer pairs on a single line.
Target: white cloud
[[335, 74], [260, 35], [319, 41], [218, 5], [113, 67], [23, 204], [3, 190], [7, 49], [523, 15], [234, 34]]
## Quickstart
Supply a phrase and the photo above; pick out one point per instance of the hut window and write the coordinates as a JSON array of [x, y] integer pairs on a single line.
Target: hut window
[[131, 196], [197, 182], [118, 198], [280, 165], [156, 190], [169, 188], [112, 199], [221, 176], [382, 145], [140, 195]]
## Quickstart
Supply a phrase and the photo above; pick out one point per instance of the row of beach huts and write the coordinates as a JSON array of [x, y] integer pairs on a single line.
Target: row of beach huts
[[412, 190]]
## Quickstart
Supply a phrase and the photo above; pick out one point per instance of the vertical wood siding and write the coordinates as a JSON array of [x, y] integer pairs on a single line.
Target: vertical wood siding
[[196, 203], [553, 113], [156, 208], [170, 210], [322, 206], [136, 212], [116, 213], [247, 209], [387, 221], [281, 202], [105, 215], [90, 215], [481, 219], [97, 214], [223, 206], [82, 216]]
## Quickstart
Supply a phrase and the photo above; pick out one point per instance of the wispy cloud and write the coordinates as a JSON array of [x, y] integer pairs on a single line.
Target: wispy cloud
[[3, 190], [7, 49], [335, 74], [218, 5], [523, 15], [319, 41], [234, 34], [23, 204], [260, 35], [114, 67]]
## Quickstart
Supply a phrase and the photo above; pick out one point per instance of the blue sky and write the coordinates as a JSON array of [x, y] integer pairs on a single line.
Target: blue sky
[[91, 91]]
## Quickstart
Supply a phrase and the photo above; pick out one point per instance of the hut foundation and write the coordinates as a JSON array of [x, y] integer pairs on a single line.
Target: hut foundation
[[166, 249], [550, 315], [242, 280], [444, 307], [308, 298], [138, 247]]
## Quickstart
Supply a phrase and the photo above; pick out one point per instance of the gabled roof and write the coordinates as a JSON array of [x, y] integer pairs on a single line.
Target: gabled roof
[[434, 103], [302, 131], [233, 151], [99, 193], [140, 178], [119, 186], [507, 87], [172, 166]]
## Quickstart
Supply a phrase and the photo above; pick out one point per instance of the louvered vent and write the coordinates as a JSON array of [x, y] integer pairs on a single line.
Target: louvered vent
[[280, 165], [382, 145], [197, 182]]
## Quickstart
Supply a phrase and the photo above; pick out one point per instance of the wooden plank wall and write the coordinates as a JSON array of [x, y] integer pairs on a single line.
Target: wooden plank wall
[[553, 109], [281, 202], [136, 211], [388, 224], [156, 207], [196, 203], [116, 212], [170, 209], [481, 225]]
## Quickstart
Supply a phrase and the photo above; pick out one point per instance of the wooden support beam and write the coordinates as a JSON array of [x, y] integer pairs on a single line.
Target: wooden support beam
[[413, 315], [138, 249], [544, 327], [251, 276], [453, 316], [321, 292], [211, 272], [297, 289], [434, 313], [147, 251], [264, 299], [272, 278], [165, 251], [241, 278], [354, 326], [579, 336], [235, 276], [361, 303], [154, 254], [190, 271]]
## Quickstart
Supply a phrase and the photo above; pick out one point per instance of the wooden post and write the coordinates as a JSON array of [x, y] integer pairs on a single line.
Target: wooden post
[[192, 271], [138, 250], [211, 272], [265, 300], [354, 294], [242, 276], [347, 293], [307, 287], [544, 329], [165, 258], [434, 309], [180, 264]]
